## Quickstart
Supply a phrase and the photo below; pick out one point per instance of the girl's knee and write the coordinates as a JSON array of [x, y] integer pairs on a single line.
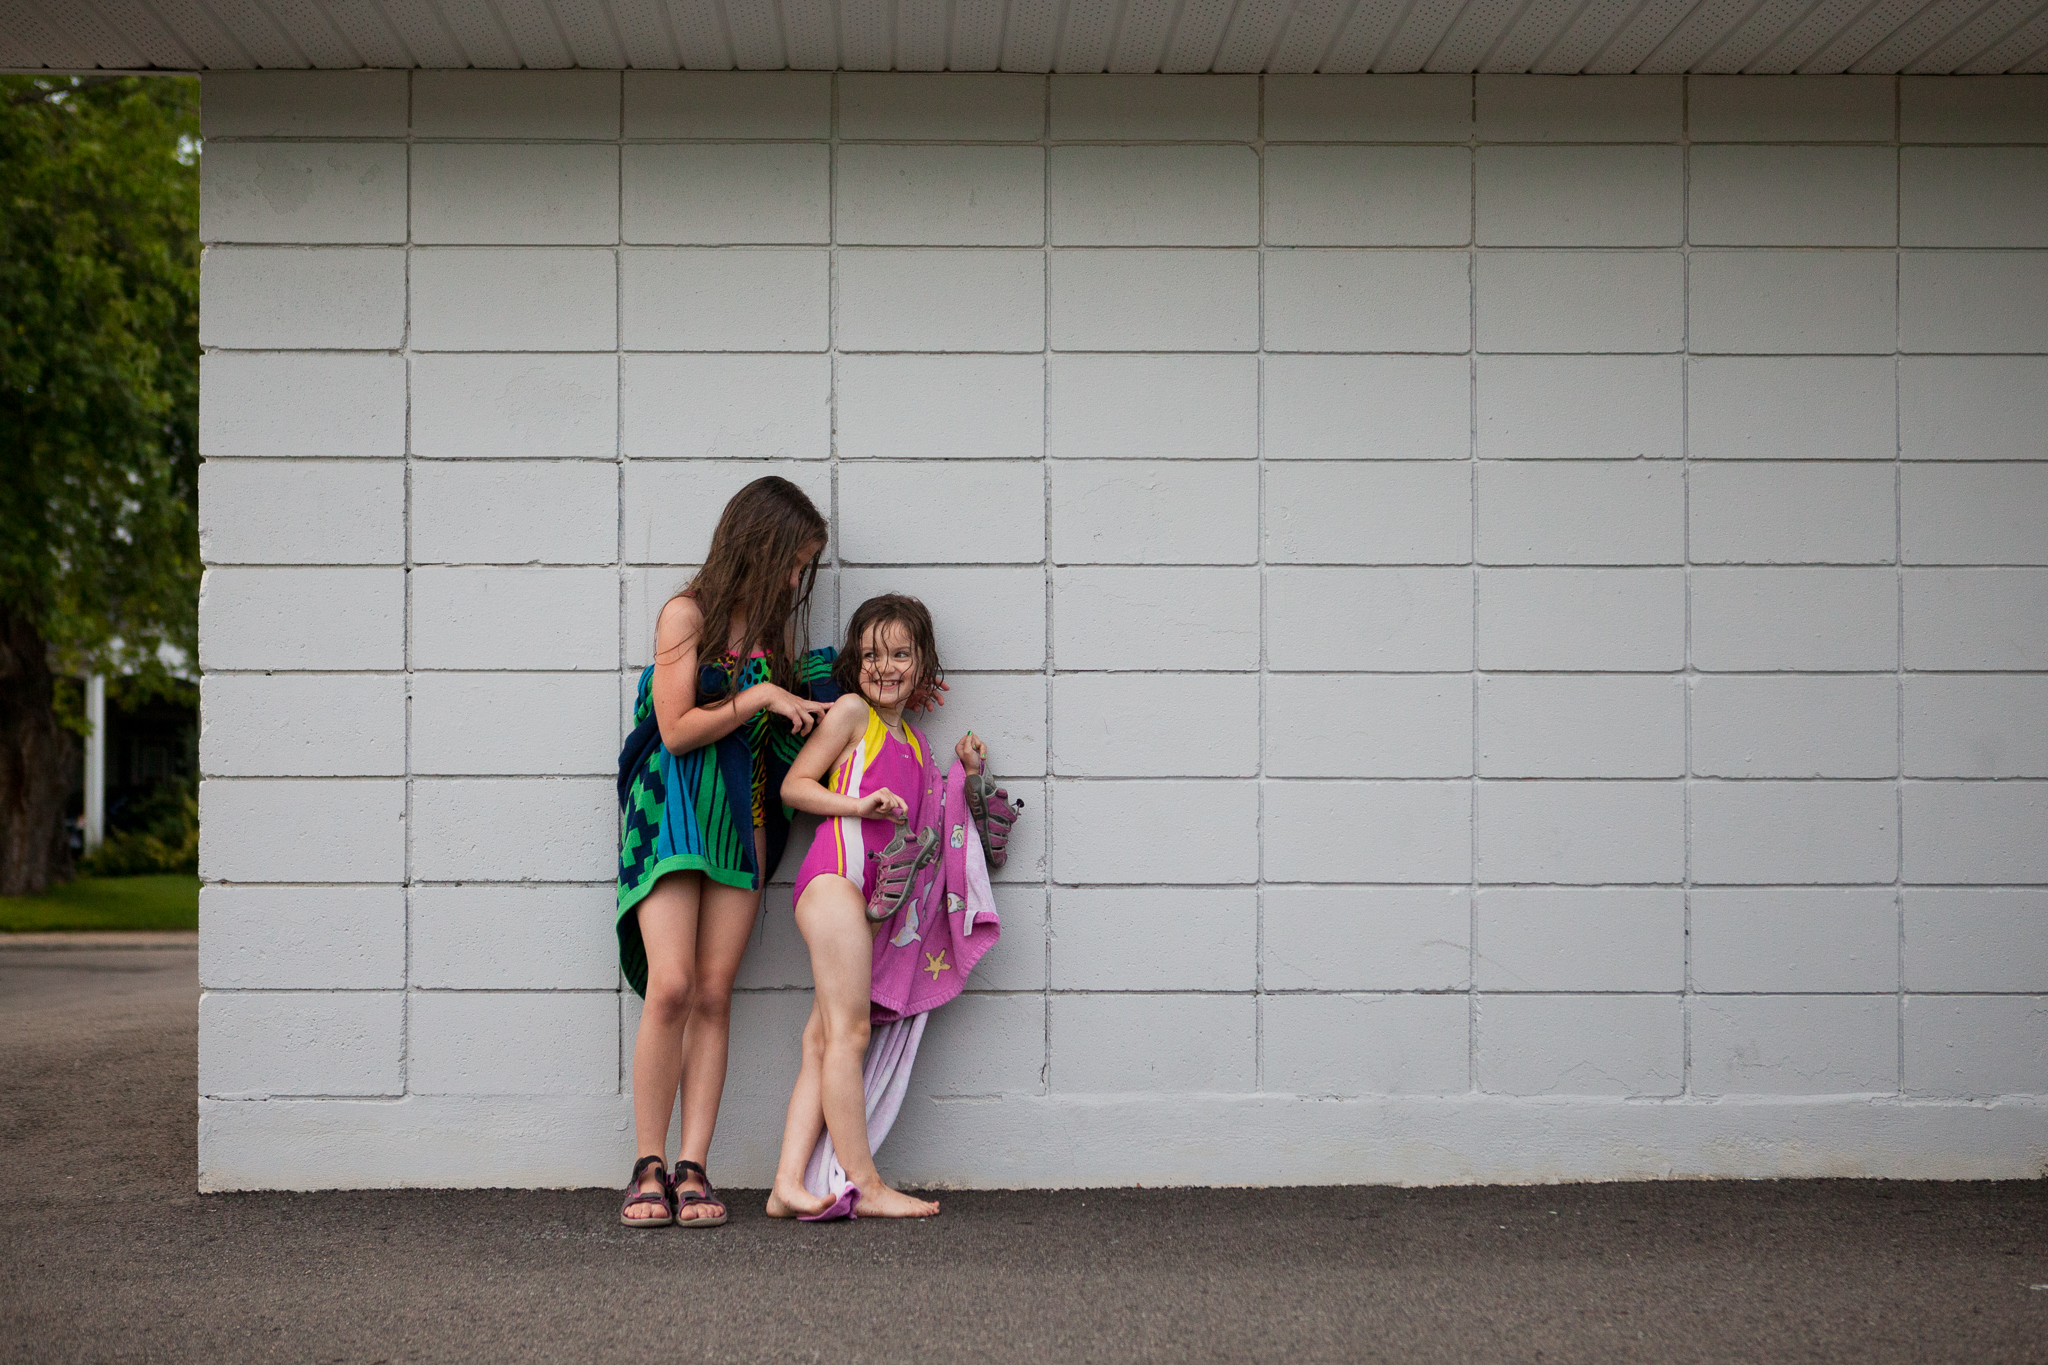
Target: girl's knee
[[670, 1000], [847, 1032], [711, 1003]]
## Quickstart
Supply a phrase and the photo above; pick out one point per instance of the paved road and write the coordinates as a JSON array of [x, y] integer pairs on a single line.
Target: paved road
[[106, 1254]]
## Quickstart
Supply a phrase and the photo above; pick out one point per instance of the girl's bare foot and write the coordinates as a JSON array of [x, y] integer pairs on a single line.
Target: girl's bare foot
[[887, 1203], [788, 1200]]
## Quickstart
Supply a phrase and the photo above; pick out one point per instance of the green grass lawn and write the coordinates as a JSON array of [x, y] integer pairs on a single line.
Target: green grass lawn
[[168, 902]]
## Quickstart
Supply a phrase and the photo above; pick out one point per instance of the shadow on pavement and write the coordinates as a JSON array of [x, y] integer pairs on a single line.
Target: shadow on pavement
[[109, 1255]]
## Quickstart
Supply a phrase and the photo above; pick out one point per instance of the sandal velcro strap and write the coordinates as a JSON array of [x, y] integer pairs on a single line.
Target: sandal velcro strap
[[994, 813], [896, 873], [635, 1196], [686, 1199]]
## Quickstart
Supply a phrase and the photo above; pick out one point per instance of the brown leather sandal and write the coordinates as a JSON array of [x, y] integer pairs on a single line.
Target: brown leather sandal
[[635, 1196], [687, 1199]]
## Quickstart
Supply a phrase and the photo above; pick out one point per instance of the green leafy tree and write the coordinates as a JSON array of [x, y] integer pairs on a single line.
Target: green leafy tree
[[99, 402]]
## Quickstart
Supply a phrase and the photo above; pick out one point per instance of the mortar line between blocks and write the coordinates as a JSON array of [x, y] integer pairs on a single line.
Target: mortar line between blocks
[[406, 815], [1899, 576], [1047, 661], [1473, 677], [1259, 720], [1685, 1021]]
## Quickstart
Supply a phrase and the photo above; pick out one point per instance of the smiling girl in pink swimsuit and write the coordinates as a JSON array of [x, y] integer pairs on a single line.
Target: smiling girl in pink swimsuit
[[864, 769]]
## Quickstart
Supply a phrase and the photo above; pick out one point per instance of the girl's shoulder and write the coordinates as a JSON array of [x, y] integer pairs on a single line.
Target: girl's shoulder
[[680, 616], [851, 709]]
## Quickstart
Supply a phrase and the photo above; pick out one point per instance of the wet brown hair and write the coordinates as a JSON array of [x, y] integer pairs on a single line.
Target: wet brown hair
[[746, 575], [890, 609]]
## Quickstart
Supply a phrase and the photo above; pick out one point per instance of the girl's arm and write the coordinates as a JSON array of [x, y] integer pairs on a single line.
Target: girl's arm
[[684, 724], [843, 724]]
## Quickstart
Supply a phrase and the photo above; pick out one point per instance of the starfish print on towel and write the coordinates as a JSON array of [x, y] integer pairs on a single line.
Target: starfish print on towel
[[936, 963]]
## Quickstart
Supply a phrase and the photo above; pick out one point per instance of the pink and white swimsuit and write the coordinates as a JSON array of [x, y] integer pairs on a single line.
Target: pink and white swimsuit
[[848, 846]]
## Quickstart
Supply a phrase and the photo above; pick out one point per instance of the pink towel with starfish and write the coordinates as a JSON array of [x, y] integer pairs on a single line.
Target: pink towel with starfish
[[923, 955], [922, 958]]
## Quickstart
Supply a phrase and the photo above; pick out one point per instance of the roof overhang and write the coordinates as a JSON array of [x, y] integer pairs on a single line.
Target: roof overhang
[[1932, 37]]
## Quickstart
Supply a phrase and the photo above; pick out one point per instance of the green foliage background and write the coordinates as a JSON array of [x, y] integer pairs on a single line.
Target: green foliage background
[[99, 371]]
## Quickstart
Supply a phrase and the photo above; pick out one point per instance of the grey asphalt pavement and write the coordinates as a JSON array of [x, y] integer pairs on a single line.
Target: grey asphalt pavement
[[108, 1254]]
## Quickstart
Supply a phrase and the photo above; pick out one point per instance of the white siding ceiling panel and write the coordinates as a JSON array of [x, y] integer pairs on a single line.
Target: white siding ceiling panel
[[1311, 27], [1790, 48], [24, 24], [644, 32], [977, 34], [1973, 38], [1753, 37], [1640, 36], [310, 25], [256, 30], [1141, 38], [1925, 30], [1198, 35], [477, 32], [810, 28], [1586, 38], [1033, 34], [588, 30], [1475, 33], [1529, 36], [147, 33], [921, 35], [1419, 35], [367, 31], [89, 34], [1086, 42], [2010, 53], [1358, 46], [534, 34], [756, 35], [867, 32], [1698, 34], [15, 51], [700, 34], [1925, 37], [425, 33], [1869, 30], [1250, 38]]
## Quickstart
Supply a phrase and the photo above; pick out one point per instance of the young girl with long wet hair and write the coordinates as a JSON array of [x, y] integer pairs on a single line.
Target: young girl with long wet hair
[[721, 712]]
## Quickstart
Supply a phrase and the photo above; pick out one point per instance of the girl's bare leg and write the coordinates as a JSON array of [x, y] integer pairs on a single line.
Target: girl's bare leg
[[832, 916], [668, 926], [724, 922], [800, 1130]]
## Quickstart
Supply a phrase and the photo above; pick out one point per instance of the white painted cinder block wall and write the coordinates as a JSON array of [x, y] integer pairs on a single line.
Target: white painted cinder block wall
[[1517, 606]]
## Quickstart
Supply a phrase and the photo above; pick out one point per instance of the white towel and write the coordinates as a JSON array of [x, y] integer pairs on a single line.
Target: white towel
[[884, 1079]]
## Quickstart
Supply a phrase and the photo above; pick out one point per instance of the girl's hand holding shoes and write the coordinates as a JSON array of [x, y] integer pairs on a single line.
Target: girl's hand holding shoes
[[882, 804], [971, 752]]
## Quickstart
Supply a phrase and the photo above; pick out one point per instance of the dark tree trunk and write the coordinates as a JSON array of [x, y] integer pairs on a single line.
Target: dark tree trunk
[[36, 756]]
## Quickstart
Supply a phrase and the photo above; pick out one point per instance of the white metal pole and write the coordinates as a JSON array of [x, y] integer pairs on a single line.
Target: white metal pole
[[95, 761]]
